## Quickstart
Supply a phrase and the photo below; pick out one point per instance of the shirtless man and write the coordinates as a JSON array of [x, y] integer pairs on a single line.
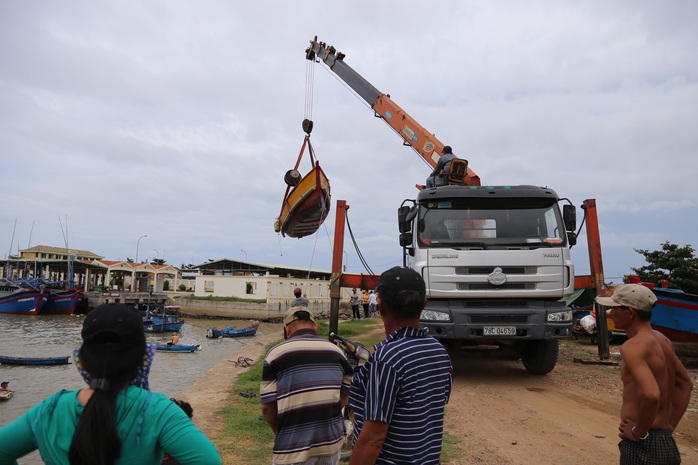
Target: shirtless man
[[656, 385]]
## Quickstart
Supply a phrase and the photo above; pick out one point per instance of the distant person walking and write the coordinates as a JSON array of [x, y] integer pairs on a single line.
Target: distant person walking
[[372, 304], [356, 313], [299, 301], [656, 386], [400, 394], [365, 299], [305, 384]]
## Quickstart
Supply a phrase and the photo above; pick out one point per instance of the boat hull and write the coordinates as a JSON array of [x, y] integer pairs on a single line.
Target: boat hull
[[178, 347], [34, 361], [23, 301], [306, 206], [63, 302], [164, 327], [676, 315], [241, 332]]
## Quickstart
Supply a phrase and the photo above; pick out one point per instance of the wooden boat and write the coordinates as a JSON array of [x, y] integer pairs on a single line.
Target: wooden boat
[[178, 347], [306, 203], [34, 360], [63, 302], [164, 326], [22, 300], [306, 206], [241, 332], [6, 395]]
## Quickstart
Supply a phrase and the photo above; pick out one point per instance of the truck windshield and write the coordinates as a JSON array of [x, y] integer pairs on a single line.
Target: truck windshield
[[489, 223]]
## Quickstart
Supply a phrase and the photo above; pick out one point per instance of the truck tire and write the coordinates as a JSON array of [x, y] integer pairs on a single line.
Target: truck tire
[[540, 357]]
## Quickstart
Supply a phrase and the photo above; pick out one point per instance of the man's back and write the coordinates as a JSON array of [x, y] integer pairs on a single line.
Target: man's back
[[645, 374]]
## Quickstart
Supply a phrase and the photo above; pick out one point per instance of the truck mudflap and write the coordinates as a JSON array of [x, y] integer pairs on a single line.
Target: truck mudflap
[[497, 320]]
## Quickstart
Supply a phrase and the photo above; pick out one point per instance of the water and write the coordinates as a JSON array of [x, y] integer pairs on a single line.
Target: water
[[59, 335]]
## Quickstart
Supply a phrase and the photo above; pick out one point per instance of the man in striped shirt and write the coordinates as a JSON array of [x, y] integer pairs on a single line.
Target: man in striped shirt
[[399, 395], [305, 384]]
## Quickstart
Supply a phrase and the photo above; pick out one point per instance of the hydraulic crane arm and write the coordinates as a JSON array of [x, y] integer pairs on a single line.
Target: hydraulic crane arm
[[412, 133]]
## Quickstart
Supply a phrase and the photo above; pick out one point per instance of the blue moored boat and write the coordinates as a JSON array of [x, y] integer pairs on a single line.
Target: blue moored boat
[[164, 326], [22, 300], [676, 315], [178, 347], [227, 332], [34, 360]]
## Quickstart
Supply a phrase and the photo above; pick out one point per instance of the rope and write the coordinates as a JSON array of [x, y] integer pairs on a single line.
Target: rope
[[309, 88], [356, 247]]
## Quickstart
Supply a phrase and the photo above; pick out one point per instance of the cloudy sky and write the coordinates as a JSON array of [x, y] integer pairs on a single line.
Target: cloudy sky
[[178, 119]]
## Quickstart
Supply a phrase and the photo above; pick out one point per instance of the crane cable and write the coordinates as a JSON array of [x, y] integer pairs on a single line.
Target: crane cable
[[356, 247]]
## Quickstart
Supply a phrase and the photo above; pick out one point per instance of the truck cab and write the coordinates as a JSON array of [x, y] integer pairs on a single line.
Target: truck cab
[[496, 262]]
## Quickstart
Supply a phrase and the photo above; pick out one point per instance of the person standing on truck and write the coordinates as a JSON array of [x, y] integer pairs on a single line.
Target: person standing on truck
[[305, 384], [656, 385], [439, 176], [399, 395]]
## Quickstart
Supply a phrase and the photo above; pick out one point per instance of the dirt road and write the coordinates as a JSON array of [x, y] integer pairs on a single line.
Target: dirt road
[[570, 416], [502, 414]]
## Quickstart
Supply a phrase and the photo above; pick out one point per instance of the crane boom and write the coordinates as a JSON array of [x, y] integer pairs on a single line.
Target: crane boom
[[413, 134]]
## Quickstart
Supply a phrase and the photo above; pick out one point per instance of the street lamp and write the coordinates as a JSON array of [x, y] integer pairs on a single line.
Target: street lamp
[[244, 253], [135, 264]]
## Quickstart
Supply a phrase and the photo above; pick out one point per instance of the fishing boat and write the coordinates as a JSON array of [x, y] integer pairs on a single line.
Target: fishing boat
[[22, 300], [164, 326], [307, 204], [178, 347], [63, 302], [676, 315], [34, 361], [6, 395], [214, 333]]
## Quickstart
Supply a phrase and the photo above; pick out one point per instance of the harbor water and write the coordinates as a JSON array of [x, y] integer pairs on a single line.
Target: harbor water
[[172, 373]]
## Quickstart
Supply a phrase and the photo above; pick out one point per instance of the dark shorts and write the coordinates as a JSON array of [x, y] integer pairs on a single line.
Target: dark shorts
[[658, 449]]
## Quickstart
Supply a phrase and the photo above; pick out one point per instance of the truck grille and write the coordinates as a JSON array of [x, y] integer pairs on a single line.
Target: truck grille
[[499, 319], [490, 287], [484, 271]]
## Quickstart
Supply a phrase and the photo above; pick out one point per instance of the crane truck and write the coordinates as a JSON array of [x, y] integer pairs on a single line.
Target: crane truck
[[495, 259]]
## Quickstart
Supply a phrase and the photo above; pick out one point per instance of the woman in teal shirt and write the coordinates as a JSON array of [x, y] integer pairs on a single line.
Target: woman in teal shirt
[[117, 420]]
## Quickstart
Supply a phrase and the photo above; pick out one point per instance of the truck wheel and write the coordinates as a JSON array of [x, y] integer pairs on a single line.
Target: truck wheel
[[539, 357]]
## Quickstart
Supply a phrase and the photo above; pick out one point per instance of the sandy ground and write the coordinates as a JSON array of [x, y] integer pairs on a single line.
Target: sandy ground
[[502, 414]]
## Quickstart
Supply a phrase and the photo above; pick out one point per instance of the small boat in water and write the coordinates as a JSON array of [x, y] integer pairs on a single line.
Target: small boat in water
[[34, 361], [178, 347], [164, 326], [307, 205], [214, 333], [22, 300], [6, 395]]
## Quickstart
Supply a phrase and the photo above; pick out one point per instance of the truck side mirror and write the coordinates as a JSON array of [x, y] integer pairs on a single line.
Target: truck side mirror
[[572, 238], [406, 239], [405, 215], [569, 216]]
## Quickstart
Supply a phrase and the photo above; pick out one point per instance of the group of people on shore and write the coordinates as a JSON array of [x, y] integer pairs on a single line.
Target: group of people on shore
[[398, 396], [368, 301]]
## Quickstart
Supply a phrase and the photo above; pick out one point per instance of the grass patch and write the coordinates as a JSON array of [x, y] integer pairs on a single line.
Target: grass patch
[[247, 439]]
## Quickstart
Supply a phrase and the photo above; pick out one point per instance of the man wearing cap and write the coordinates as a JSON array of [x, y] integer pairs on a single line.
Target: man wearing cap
[[400, 394], [305, 384], [440, 174], [656, 385], [299, 301]]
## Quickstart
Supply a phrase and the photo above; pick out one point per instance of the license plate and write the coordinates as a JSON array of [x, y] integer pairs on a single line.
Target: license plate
[[499, 331]]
